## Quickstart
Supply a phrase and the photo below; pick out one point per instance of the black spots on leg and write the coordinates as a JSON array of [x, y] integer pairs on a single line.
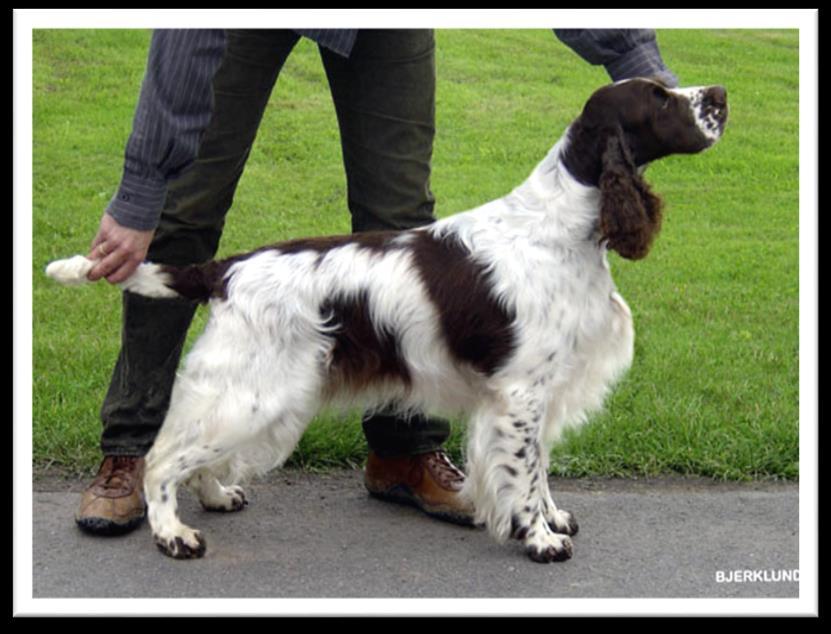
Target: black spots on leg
[[510, 470], [521, 527], [519, 531]]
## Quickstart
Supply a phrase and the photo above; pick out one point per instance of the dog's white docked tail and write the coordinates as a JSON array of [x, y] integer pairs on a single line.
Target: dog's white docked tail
[[149, 280]]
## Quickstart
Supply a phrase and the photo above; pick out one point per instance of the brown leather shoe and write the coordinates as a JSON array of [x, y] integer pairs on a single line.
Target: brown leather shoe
[[427, 481], [114, 502]]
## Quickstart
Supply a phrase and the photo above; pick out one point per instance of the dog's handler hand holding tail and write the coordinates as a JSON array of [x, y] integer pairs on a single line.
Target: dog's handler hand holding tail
[[119, 250]]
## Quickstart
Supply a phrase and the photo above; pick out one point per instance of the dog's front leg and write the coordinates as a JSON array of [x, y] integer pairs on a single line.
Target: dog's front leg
[[559, 520], [506, 477]]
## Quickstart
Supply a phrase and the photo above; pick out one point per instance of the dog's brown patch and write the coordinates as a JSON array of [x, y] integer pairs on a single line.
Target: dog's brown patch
[[477, 328], [378, 241], [363, 352]]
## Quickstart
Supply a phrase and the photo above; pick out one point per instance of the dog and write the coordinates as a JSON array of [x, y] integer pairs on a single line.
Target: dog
[[506, 314]]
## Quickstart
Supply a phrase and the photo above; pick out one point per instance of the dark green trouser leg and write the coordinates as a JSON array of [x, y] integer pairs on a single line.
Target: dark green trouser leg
[[191, 224], [384, 96], [153, 332]]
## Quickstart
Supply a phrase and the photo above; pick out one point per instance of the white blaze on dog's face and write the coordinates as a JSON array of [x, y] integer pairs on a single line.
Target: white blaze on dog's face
[[709, 108]]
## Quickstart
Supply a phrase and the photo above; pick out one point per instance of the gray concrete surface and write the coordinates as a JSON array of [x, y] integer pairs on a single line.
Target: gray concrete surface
[[306, 535]]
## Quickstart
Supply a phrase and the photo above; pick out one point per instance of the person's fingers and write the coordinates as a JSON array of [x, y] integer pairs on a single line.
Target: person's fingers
[[101, 237], [96, 244], [116, 266], [117, 251], [123, 271], [104, 266], [99, 251]]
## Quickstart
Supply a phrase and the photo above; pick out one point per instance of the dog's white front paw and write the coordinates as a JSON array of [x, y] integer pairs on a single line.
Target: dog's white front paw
[[184, 543], [545, 546], [562, 522]]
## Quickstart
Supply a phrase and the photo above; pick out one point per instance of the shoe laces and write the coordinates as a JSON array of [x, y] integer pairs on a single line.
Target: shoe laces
[[119, 472], [444, 469]]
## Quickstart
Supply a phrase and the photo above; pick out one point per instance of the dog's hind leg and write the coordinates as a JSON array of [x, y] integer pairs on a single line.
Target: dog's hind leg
[[230, 414], [229, 438], [161, 481], [181, 451], [213, 496], [237, 408], [222, 445]]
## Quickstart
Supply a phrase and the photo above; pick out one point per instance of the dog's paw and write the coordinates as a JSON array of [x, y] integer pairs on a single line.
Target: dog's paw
[[190, 544], [228, 500], [548, 547], [563, 522]]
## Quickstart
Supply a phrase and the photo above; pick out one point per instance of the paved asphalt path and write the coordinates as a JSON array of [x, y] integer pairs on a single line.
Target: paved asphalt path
[[307, 535]]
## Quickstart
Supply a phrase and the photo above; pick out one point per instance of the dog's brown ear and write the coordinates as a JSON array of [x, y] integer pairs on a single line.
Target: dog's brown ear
[[630, 214]]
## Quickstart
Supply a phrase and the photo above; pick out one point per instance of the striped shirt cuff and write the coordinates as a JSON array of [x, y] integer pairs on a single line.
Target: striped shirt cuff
[[138, 203]]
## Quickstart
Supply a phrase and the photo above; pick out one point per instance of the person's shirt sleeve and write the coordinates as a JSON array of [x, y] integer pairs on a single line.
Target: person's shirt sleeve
[[174, 108], [625, 53]]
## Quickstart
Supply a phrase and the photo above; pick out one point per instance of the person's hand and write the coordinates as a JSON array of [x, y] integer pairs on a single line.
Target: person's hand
[[118, 250]]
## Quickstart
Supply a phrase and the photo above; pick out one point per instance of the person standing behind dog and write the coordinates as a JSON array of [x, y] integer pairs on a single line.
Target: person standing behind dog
[[201, 103]]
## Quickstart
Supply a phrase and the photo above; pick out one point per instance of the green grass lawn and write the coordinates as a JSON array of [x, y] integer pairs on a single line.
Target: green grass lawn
[[714, 387]]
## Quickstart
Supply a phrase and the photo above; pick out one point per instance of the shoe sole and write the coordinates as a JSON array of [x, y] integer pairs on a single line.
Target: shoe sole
[[402, 495], [105, 527]]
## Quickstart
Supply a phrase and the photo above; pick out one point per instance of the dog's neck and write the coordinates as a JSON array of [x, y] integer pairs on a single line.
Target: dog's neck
[[569, 210]]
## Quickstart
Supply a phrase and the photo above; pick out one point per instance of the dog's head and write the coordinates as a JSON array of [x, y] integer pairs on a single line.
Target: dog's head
[[624, 127]]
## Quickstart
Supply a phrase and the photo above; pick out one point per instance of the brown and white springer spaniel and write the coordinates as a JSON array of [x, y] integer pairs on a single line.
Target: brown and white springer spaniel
[[506, 314]]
